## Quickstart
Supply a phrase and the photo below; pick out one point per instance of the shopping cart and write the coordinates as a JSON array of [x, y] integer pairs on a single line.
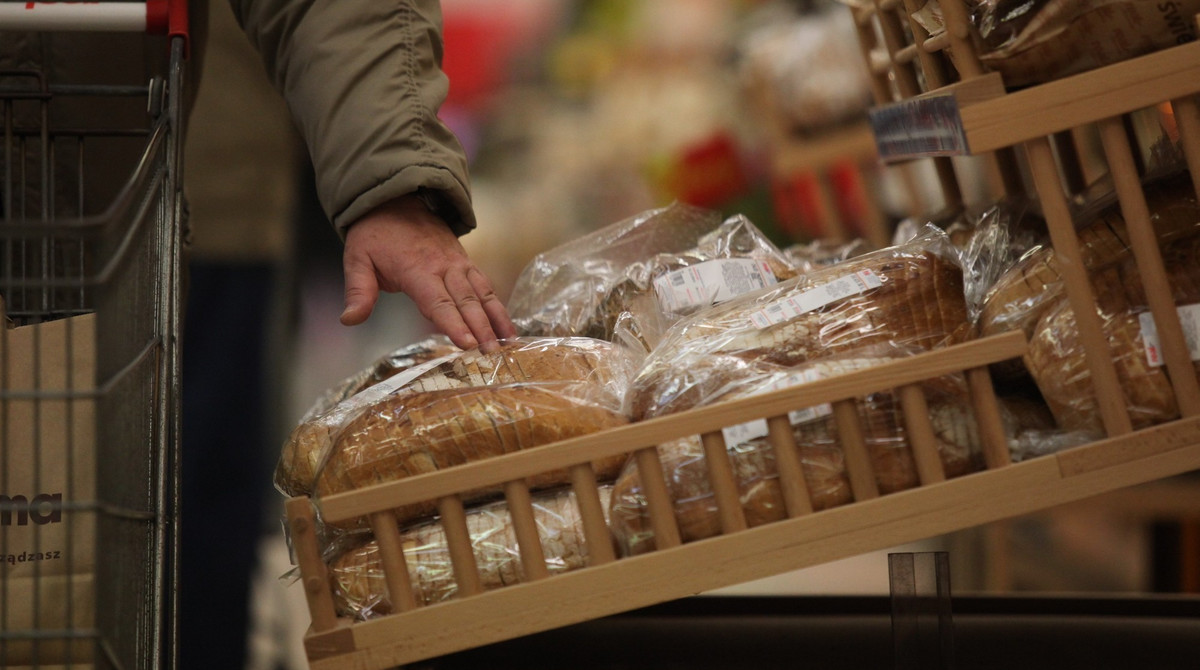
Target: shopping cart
[[90, 237]]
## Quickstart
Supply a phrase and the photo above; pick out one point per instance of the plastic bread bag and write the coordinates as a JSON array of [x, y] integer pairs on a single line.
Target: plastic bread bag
[[816, 254], [585, 287], [1001, 233], [534, 391], [1033, 41], [1057, 362], [298, 462], [818, 448], [357, 576], [1019, 297], [806, 69], [907, 296], [595, 370]]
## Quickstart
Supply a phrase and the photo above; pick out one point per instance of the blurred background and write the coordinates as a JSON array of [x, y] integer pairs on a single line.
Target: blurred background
[[577, 114]]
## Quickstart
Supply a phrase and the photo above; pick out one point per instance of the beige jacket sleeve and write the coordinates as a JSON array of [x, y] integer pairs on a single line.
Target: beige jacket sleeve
[[363, 82]]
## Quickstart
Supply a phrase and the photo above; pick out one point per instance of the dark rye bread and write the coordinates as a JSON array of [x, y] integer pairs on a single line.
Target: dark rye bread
[[919, 305], [818, 448], [359, 586]]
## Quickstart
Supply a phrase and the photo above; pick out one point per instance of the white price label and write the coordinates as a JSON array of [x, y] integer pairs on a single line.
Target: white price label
[[751, 430], [815, 298], [711, 283], [1189, 320]]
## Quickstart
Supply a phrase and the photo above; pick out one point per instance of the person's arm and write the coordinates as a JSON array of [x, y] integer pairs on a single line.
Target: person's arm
[[363, 82]]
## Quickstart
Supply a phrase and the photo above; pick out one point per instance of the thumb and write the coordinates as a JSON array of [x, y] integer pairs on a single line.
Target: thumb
[[362, 292]]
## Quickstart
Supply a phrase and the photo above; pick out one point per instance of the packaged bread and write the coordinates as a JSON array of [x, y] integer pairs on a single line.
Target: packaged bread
[[1034, 41], [589, 372], [1022, 293], [627, 280], [474, 406], [817, 444], [1057, 362], [359, 586], [910, 295], [299, 460]]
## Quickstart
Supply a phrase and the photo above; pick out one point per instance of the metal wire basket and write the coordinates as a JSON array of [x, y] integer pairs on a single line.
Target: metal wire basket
[[89, 369]]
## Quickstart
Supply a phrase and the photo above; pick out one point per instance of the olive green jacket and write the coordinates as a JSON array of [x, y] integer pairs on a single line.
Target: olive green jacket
[[363, 82]]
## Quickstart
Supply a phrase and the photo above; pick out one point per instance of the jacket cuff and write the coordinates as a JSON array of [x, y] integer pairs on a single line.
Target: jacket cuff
[[438, 188]]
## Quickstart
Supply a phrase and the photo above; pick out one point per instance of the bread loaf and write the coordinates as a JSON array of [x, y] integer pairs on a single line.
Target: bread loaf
[[299, 460], [424, 432], [1058, 363], [1019, 297], [909, 296], [596, 371], [817, 442], [360, 589], [602, 285]]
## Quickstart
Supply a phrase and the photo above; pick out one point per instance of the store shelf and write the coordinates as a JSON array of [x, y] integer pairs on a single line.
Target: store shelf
[[739, 554], [977, 115]]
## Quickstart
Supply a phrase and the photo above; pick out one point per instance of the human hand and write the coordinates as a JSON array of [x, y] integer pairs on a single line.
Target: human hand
[[401, 246]]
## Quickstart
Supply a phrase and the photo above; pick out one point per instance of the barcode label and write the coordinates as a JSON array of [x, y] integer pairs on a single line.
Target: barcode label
[[751, 430], [1189, 320], [815, 298], [711, 283]]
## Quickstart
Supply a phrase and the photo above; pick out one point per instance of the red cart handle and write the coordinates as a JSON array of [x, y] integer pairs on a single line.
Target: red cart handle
[[157, 17]]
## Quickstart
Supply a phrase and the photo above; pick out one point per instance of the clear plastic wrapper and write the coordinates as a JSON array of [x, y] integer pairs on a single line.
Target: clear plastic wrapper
[[817, 443], [298, 462], [999, 235], [533, 391], [1027, 288], [603, 284], [806, 257], [1058, 364], [359, 586], [907, 296], [581, 374], [1033, 41]]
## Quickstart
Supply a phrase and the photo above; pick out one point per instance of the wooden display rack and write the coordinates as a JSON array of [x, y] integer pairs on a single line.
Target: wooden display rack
[[1026, 121]]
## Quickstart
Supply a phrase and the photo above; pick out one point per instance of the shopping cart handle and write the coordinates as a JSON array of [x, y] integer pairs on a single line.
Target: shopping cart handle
[[157, 17]]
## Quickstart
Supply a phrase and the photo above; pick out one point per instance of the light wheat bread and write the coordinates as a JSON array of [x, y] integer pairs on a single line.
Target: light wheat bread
[[360, 589], [1057, 361], [596, 370]]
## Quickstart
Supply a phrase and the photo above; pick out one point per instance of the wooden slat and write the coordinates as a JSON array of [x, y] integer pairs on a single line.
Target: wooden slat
[[391, 555], [987, 416], [1041, 111], [529, 542], [591, 515], [774, 548], [858, 460], [302, 525], [1110, 399], [796, 498], [458, 543], [659, 505], [1144, 242], [1187, 118], [723, 482], [920, 434], [624, 439]]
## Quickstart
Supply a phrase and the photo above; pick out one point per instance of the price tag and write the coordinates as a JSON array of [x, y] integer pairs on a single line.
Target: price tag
[[815, 298], [1189, 320], [711, 283]]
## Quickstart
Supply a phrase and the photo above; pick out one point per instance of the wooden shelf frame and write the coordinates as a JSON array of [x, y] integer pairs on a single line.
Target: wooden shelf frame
[[609, 584]]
